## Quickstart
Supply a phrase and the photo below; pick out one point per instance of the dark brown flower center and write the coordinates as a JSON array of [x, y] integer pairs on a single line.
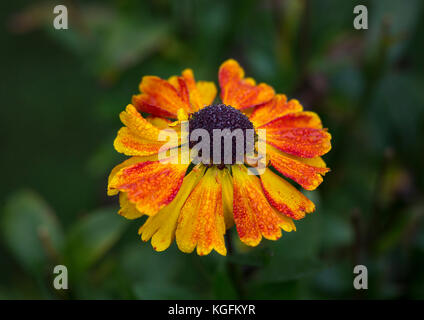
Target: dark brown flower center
[[221, 117]]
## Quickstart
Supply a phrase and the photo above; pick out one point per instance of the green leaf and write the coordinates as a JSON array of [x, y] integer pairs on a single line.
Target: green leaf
[[31, 231], [92, 236]]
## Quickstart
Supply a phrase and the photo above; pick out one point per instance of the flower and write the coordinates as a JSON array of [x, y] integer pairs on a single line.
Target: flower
[[196, 205]]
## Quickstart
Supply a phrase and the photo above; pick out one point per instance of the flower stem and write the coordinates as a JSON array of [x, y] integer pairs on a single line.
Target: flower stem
[[234, 270]]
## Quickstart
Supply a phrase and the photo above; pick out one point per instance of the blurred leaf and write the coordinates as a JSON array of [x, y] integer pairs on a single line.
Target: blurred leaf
[[275, 291], [110, 41], [335, 280], [103, 159], [165, 275], [129, 42], [149, 291], [401, 229], [338, 231], [395, 113], [4, 294], [256, 257], [295, 255], [142, 264], [31, 231], [223, 287], [92, 236], [391, 21]]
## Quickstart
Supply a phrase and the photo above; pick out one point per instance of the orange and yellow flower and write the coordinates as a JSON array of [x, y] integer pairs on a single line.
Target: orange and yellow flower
[[197, 205]]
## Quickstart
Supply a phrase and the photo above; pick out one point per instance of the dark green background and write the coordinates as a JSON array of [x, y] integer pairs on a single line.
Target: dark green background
[[62, 91]]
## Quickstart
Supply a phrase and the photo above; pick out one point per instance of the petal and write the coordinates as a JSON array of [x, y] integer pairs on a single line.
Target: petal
[[284, 197], [161, 227], [160, 98], [207, 91], [305, 119], [277, 107], [302, 142], [139, 137], [181, 86], [307, 172], [138, 125], [126, 163], [201, 221], [130, 144], [151, 185], [253, 215], [238, 92], [299, 134], [227, 197], [201, 93], [128, 209], [158, 122]]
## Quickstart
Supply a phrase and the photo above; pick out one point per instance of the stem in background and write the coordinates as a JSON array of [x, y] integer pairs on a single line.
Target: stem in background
[[374, 226], [234, 270]]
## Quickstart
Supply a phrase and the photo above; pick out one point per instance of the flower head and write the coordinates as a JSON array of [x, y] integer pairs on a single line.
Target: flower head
[[196, 204]]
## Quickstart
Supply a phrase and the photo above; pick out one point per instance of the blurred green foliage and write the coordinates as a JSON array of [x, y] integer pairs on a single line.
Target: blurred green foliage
[[61, 95]]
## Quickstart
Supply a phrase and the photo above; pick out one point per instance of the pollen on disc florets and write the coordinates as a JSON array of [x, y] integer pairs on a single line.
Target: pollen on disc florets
[[220, 116]]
